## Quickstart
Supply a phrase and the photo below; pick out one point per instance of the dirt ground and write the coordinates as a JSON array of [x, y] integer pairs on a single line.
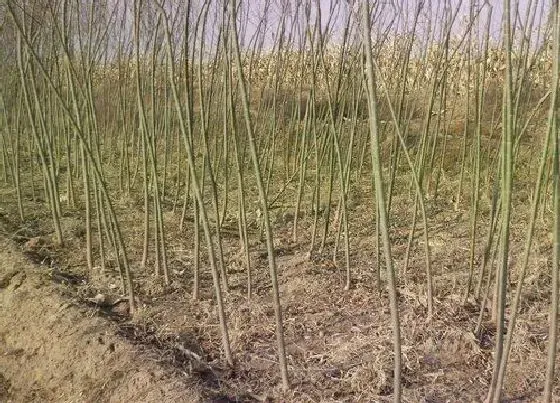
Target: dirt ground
[[53, 349], [66, 336]]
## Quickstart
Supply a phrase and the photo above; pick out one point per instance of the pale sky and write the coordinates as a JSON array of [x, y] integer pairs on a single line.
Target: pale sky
[[401, 12], [432, 11]]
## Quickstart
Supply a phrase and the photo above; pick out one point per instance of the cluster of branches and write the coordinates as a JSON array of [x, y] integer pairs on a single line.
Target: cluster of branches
[[185, 97]]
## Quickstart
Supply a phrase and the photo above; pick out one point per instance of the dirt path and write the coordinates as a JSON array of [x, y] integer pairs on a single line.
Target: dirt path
[[52, 350]]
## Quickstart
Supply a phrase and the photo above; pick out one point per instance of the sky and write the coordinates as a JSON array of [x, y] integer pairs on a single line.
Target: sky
[[536, 10], [333, 13]]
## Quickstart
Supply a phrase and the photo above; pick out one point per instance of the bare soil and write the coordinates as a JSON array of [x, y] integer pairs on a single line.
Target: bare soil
[[67, 337], [53, 347]]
